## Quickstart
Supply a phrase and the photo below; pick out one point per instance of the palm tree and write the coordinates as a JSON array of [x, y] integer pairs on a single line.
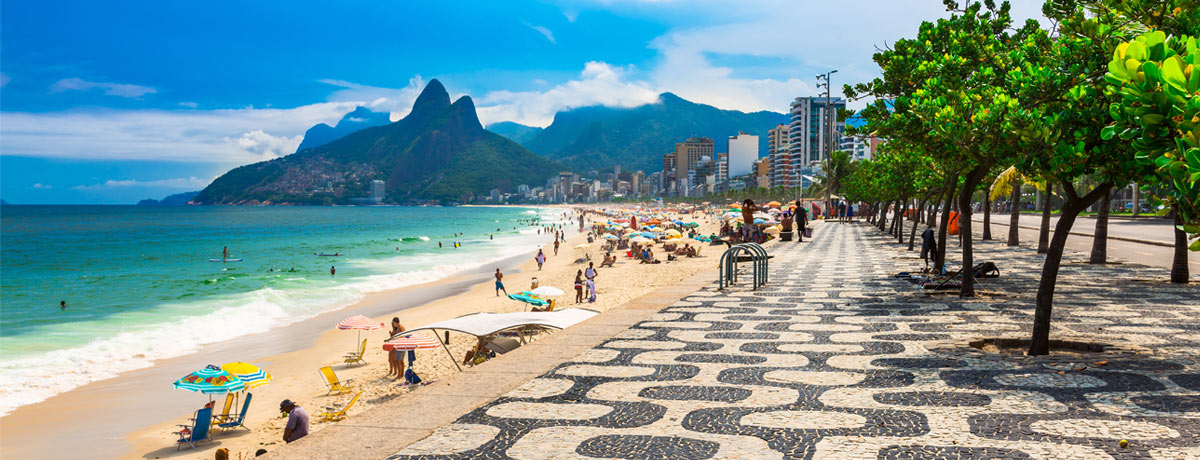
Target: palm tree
[[1008, 182]]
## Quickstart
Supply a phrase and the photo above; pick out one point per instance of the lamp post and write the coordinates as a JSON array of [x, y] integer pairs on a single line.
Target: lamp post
[[823, 81]]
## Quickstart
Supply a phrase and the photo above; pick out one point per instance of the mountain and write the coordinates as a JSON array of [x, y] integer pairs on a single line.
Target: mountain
[[439, 152], [178, 199], [598, 137], [517, 132], [360, 118]]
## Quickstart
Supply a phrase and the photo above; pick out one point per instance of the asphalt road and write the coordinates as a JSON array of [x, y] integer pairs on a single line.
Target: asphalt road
[[1147, 229]]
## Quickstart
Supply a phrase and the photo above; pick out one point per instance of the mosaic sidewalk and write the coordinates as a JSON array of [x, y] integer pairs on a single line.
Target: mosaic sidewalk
[[837, 359]]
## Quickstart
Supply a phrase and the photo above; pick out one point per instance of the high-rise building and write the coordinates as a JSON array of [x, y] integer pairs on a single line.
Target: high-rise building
[[636, 182], [743, 150], [809, 135], [780, 173], [377, 187], [722, 171], [690, 151], [762, 172]]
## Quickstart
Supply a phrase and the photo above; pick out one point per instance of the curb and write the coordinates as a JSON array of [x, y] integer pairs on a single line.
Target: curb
[[1111, 237]]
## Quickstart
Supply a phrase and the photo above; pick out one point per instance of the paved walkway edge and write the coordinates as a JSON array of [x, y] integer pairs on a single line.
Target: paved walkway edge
[[390, 427], [1111, 237]]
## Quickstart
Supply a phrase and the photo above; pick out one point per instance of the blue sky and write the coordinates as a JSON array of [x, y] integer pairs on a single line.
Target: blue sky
[[111, 103]]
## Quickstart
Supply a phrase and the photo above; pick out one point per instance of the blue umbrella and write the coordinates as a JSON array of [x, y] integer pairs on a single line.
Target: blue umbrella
[[211, 380]]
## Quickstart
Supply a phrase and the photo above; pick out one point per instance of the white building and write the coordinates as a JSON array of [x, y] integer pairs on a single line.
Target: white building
[[743, 151], [377, 187]]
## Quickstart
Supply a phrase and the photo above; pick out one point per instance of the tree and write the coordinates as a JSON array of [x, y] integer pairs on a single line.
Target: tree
[[1159, 113]]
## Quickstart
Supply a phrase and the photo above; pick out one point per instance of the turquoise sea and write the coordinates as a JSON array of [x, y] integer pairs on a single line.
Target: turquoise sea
[[139, 285]]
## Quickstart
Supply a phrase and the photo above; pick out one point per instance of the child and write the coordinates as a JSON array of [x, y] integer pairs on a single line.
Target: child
[[579, 286]]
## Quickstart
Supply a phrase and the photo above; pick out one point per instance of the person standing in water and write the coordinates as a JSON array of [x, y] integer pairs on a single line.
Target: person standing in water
[[63, 305], [332, 271]]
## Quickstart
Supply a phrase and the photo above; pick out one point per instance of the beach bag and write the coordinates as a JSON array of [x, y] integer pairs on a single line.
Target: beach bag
[[411, 377], [986, 270], [808, 233]]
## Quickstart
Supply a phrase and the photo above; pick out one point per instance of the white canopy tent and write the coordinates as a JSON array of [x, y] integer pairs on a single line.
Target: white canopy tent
[[485, 324]]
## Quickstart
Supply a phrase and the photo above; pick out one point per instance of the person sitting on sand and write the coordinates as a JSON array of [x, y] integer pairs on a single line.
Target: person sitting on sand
[[297, 424], [645, 258], [609, 260]]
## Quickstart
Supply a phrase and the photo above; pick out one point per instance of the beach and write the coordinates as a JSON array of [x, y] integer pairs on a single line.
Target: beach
[[293, 355]]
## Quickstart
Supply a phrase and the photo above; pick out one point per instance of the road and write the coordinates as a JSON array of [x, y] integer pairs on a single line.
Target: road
[[1150, 230]]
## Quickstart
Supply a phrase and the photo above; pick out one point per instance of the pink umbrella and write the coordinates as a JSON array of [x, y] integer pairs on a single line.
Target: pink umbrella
[[413, 342], [359, 323]]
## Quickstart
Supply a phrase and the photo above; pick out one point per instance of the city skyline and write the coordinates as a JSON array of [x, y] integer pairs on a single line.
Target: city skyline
[[162, 98]]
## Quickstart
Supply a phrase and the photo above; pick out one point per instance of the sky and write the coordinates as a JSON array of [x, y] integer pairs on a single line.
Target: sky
[[113, 102]]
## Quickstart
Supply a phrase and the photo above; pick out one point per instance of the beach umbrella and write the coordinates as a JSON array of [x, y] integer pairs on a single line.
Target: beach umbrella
[[210, 380], [411, 342], [771, 230], [359, 323], [251, 375], [692, 224], [773, 204], [581, 246], [547, 291], [610, 236], [641, 240]]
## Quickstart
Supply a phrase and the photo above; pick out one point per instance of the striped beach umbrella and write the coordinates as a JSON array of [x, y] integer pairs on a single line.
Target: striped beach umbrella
[[358, 323], [211, 380], [411, 342], [251, 375]]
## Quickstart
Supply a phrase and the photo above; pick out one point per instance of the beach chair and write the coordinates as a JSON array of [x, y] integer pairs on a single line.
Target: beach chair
[[337, 411], [197, 431], [224, 415], [502, 345], [352, 358], [241, 416], [335, 385]]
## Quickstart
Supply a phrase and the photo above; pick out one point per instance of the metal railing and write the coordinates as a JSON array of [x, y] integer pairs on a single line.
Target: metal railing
[[727, 271]]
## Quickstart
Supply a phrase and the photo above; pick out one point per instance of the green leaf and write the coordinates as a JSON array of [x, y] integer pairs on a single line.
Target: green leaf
[[1152, 119], [1108, 132], [1173, 73], [1195, 246]]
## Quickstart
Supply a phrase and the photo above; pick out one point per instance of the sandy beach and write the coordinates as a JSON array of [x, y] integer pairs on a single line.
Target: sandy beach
[[295, 364]]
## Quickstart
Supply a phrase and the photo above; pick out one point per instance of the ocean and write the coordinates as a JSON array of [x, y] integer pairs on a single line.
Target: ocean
[[139, 285]]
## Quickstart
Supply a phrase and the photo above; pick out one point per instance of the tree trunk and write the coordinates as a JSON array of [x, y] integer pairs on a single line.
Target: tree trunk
[[1179, 267], [948, 194], [1100, 237], [964, 228], [987, 216], [1040, 343], [913, 234], [1014, 237], [1044, 232], [900, 205], [882, 217]]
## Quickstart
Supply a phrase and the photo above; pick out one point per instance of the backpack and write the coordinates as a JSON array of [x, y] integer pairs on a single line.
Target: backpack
[[411, 377], [986, 270]]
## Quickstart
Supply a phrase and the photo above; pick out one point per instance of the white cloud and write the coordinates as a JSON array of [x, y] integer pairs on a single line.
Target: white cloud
[[41, 186], [544, 31], [226, 136], [111, 89], [598, 84], [181, 183], [189, 104], [397, 101]]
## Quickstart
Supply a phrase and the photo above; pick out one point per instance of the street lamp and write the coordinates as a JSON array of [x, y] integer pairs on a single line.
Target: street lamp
[[825, 77]]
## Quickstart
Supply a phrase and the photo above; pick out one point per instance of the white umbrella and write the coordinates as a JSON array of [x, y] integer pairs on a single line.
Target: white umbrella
[[548, 291]]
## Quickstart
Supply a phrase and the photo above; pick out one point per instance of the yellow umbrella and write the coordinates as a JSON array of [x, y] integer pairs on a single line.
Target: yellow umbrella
[[253, 376]]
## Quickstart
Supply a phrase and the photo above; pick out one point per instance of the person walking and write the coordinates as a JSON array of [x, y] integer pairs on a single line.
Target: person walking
[[801, 221], [500, 283], [556, 245], [540, 258]]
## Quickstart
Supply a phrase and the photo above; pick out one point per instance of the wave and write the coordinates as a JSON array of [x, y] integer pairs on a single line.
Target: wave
[[413, 239], [35, 378]]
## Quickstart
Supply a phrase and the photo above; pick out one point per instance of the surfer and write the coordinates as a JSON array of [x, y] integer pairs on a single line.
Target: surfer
[[224, 253]]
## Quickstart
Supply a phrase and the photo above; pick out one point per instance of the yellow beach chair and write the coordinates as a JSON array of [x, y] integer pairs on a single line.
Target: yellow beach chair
[[338, 412], [352, 358], [224, 415], [335, 385]]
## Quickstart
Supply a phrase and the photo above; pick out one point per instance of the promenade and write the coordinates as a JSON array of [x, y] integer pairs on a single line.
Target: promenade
[[835, 358]]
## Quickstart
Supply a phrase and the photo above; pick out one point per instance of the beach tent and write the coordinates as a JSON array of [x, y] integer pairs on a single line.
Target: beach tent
[[485, 324]]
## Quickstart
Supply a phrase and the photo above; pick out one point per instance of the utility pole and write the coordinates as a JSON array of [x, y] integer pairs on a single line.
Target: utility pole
[[829, 119]]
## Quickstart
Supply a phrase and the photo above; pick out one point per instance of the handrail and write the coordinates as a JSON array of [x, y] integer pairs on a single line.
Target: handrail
[[727, 271]]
